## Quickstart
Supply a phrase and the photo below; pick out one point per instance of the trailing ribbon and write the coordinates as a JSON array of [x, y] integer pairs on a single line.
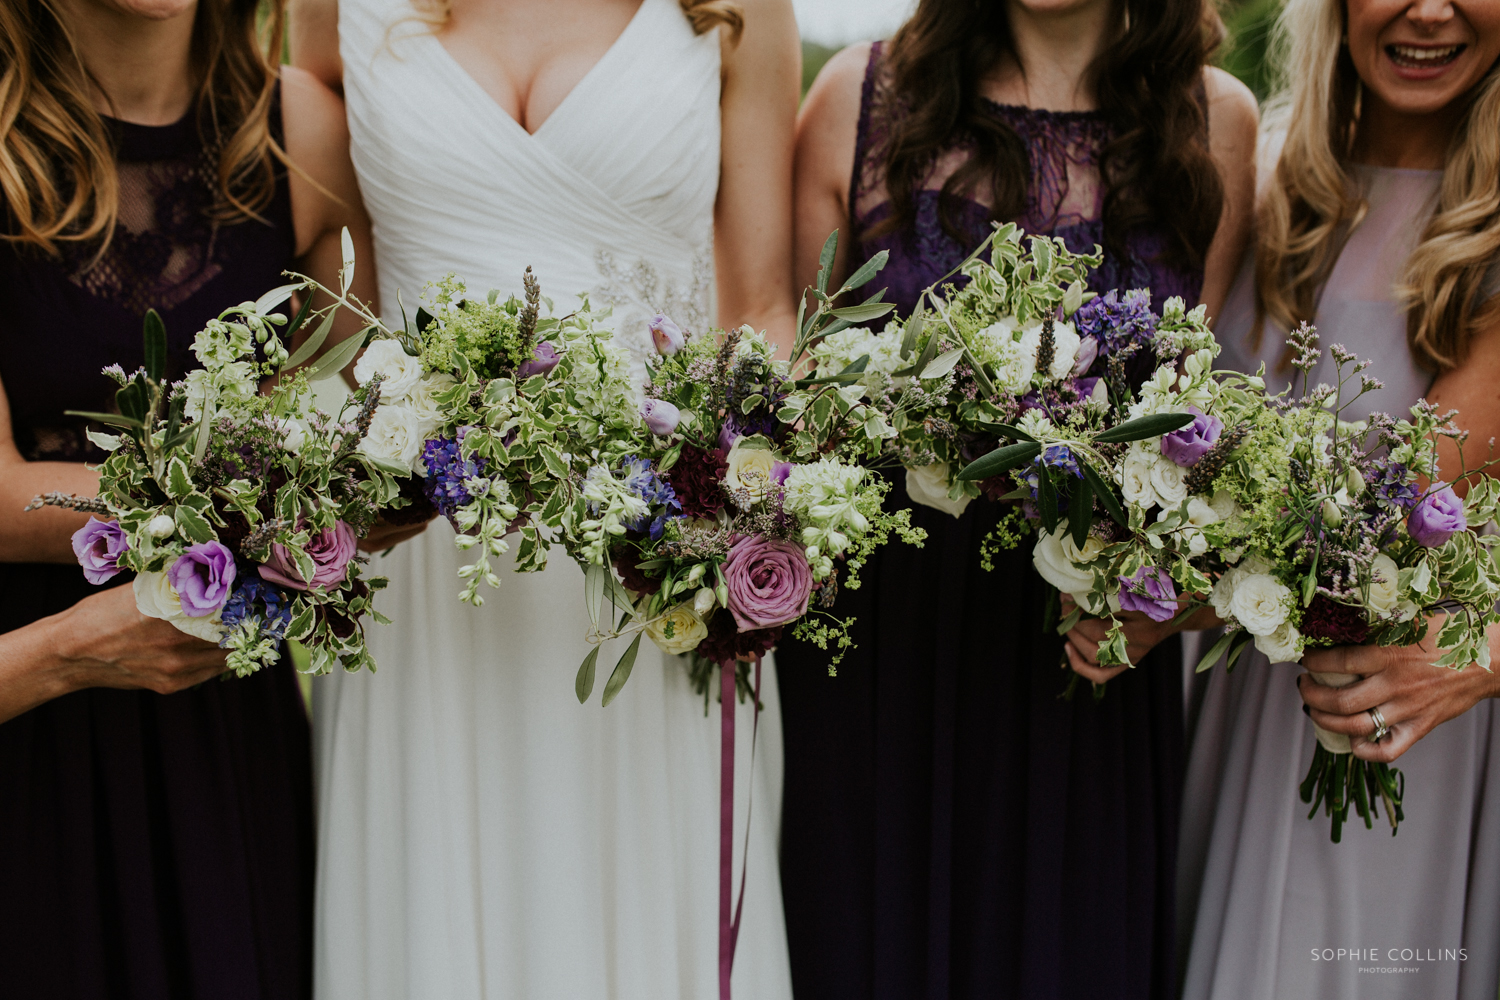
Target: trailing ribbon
[[729, 926]]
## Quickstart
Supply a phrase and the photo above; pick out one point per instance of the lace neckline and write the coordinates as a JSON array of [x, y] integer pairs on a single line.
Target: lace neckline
[[1043, 114]]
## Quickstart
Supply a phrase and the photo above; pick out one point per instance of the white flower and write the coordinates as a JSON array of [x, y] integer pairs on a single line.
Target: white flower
[[161, 526], [1260, 603], [750, 469], [1223, 591], [1135, 481], [1383, 594], [1281, 646], [1169, 480], [388, 359], [686, 628], [838, 351], [1063, 564], [423, 402], [395, 436], [1064, 352], [928, 485], [995, 346], [156, 598], [704, 600], [233, 381], [293, 433], [1201, 514], [1224, 505]]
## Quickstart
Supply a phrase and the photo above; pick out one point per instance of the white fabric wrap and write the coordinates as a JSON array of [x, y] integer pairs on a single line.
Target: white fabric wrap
[[1333, 742]]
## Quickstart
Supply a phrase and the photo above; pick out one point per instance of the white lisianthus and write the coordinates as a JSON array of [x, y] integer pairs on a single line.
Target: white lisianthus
[[1135, 481], [395, 436], [1169, 480], [1383, 596], [1065, 565], [1260, 603], [293, 433], [1281, 646], [388, 359], [678, 630], [750, 469], [1064, 352], [928, 485], [155, 597]]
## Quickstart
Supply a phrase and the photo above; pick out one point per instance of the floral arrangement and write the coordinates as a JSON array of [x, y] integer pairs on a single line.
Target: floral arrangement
[[239, 511]]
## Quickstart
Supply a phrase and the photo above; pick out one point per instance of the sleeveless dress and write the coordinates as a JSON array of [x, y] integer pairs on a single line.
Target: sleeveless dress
[[156, 846], [951, 827], [484, 834], [1264, 891]]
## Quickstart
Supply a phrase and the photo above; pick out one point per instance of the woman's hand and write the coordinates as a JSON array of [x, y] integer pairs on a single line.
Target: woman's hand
[[1141, 636], [384, 536], [1413, 696]]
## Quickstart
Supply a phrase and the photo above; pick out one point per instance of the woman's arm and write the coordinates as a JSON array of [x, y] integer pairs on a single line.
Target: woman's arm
[[1233, 123], [313, 38], [39, 535], [753, 214], [827, 128]]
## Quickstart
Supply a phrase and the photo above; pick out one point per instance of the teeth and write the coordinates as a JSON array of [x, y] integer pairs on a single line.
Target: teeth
[[1414, 54]]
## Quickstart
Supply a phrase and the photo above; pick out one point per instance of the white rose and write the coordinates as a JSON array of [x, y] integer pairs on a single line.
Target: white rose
[[1136, 479], [1383, 595], [155, 597], [388, 359], [1260, 602], [1223, 591], [928, 485], [423, 402], [1063, 564], [1280, 646], [1169, 480], [293, 434], [750, 469], [1064, 352], [395, 436], [686, 626]]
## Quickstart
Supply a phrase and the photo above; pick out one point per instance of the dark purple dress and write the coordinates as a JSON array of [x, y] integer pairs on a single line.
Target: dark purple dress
[[153, 846], [952, 828]]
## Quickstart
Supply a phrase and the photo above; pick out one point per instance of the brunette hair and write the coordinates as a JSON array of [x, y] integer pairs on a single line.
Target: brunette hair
[[1312, 205], [57, 161], [1148, 83]]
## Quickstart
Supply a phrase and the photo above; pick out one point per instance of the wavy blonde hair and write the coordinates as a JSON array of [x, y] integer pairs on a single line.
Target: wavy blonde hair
[[703, 15], [57, 161], [1312, 206]]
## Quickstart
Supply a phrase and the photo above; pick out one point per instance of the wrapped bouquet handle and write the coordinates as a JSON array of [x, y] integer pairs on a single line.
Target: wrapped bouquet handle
[[1337, 779]]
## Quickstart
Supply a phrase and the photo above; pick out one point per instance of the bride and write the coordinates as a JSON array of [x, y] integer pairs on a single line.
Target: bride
[[481, 834]]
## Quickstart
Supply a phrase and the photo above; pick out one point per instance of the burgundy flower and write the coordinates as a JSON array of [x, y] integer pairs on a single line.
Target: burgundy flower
[[1336, 623], [632, 577], [697, 479], [726, 642]]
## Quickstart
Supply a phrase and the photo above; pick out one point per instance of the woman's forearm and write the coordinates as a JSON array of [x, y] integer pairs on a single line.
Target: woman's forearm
[[32, 668], [41, 535]]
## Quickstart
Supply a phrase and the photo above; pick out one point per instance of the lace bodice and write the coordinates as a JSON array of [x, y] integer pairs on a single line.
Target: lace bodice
[[1064, 199]]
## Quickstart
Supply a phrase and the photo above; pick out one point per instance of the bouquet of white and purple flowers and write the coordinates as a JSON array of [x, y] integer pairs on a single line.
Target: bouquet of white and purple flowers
[[238, 511]]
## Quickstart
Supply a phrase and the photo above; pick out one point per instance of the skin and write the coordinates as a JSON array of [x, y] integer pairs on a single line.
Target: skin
[[528, 56], [138, 52], [1056, 41]]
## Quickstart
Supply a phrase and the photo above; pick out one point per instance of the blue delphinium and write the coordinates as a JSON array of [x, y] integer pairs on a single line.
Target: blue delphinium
[[259, 603], [662, 505], [1060, 457], [1116, 320], [447, 471]]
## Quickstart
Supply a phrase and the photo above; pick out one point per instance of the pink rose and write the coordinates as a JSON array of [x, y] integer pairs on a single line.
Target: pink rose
[[330, 552], [769, 582]]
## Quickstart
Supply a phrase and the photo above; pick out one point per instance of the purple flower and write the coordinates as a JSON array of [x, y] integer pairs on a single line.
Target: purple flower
[[543, 360], [99, 546], [257, 601], [1389, 483], [768, 581], [1436, 518], [1116, 321], [666, 335], [1188, 444], [447, 471], [1084, 387], [1088, 352], [330, 552], [661, 501], [1060, 457], [660, 416], [780, 471], [1151, 592], [203, 577]]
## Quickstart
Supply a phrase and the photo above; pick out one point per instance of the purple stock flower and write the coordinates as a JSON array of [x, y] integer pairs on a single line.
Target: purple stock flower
[[1188, 444], [1151, 592], [666, 335], [1115, 321], [99, 546], [543, 360], [203, 577], [1436, 518], [660, 416]]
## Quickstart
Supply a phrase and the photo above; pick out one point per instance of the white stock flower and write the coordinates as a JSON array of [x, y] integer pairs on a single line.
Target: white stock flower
[[1135, 481], [686, 626], [928, 485], [1064, 351], [1383, 594], [1063, 564], [1260, 603], [388, 359], [1169, 481], [1282, 645], [838, 351], [155, 597], [395, 436]]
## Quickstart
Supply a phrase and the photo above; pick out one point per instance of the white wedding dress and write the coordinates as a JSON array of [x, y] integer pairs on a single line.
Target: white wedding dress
[[480, 833]]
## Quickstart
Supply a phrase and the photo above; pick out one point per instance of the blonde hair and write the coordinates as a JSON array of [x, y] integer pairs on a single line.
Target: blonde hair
[[57, 161], [1312, 205], [703, 15]]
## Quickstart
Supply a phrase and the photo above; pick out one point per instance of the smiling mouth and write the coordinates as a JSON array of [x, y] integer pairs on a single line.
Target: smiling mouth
[[1421, 57]]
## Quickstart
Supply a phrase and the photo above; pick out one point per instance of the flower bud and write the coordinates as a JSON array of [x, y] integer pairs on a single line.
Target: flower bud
[[695, 574], [543, 360], [666, 335], [161, 526], [704, 601], [1332, 516], [660, 416], [1354, 483]]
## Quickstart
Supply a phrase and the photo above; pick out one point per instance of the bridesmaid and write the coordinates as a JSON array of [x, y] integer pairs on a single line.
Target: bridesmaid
[[157, 844], [952, 828], [1411, 91]]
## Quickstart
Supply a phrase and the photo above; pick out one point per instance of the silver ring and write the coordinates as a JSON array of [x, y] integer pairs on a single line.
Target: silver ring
[[1381, 729]]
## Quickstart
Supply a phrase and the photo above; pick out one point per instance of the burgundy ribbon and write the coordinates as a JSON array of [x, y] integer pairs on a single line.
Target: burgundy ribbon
[[729, 927]]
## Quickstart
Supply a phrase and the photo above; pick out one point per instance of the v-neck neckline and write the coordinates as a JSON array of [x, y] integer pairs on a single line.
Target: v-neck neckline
[[489, 98]]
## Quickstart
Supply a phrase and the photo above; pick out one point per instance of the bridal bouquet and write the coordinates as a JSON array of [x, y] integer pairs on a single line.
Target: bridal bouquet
[[238, 511]]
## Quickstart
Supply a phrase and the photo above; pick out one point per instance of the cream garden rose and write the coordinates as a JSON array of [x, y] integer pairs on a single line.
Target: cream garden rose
[[928, 485], [1168, 481], [395, 436], [1383, 594], [1260, 603], [679, 629], [1281, 646], [399, 371], [750, 469], [1136, 478], [1063, 564]]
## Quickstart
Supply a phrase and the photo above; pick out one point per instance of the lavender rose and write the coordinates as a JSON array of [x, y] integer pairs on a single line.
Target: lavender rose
[[768, 580], [330, 552], [203, 576], [660, 416], [666, 335], [543, 360], [99, 546], [1436, 518], [1186, 445], [1151, 592]]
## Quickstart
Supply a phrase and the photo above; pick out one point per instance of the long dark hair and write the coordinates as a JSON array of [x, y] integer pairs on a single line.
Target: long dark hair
[[1156, 167]]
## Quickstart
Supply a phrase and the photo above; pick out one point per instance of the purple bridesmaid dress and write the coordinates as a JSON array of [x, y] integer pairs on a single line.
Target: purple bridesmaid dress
[[154, 846], [952, 827]]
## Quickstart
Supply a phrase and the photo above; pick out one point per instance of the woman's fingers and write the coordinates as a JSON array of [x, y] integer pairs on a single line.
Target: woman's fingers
[[1395, 743], [1088, 669], [1349, 700]]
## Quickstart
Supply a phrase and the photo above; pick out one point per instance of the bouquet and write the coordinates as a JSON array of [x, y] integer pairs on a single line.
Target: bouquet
[[239, 512]]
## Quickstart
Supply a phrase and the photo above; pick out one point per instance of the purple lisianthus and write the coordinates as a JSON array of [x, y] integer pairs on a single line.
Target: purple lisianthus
[[1088, 353], [666, 335], [1437, 517], [1186, 445], [330, 552], [203, 577], [1151, 592], [768, 581], [543, 360], [661, 416], [99, 546]]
